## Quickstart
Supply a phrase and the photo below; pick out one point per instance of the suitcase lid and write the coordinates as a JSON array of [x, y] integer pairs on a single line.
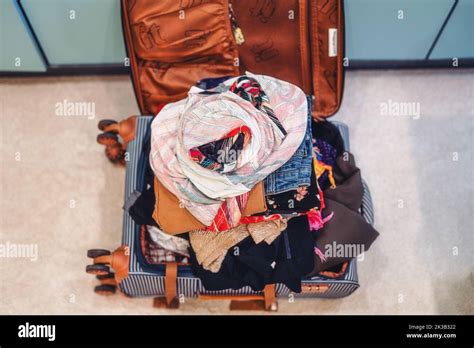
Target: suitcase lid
[[174, 44]]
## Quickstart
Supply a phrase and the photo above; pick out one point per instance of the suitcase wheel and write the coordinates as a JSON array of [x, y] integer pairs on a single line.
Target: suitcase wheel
[[98, 269], [93, 253], [105, 290], [105, 276], [103, 124], [108, 139], [115, 154]]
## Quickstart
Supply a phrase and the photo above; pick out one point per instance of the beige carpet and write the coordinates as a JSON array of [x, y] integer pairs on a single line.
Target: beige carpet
[[60, 193]]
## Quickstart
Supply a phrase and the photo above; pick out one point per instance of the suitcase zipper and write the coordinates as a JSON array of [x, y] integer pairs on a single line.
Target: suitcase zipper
[[238, 34]]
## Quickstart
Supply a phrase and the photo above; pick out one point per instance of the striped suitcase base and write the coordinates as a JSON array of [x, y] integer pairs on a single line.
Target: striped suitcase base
[[148, 280]]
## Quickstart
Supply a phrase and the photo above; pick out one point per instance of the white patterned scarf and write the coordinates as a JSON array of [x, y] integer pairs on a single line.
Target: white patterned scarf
[[203, 118]]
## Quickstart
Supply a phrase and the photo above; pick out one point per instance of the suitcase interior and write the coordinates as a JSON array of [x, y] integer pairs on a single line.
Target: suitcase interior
[[146, 279], [173, 44]]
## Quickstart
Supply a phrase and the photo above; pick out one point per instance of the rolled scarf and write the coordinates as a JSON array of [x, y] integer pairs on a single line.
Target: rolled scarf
[[271, 116]]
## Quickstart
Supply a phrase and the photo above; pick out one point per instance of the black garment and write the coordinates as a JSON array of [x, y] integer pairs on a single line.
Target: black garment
[[347, 230], [344, 237], [349, 189], [295, 201], [329, 133], [141, 211], [285, 261]]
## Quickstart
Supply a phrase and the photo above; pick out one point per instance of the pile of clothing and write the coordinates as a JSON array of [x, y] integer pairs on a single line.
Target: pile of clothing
[[244, 186]]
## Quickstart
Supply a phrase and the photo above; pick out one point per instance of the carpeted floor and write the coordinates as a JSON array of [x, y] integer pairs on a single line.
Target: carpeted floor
[[60, 193]]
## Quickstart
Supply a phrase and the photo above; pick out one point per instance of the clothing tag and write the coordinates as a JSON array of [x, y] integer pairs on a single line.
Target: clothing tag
[[332, 39]]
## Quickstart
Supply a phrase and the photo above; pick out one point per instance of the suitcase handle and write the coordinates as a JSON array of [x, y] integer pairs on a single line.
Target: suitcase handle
[[266, 301]]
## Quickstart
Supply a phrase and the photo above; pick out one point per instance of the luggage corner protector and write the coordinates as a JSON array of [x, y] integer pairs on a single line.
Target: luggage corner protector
[[120, 262], [127, 129]]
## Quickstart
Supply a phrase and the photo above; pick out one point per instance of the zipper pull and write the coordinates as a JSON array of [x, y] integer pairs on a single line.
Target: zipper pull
[[238, 34]]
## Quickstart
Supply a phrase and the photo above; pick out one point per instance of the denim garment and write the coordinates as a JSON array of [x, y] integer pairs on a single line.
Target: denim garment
[[297, 171]]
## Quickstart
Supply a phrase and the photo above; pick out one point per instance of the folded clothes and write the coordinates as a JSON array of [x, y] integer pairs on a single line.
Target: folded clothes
[[174, 218], [216, 197], [329, 133], [300, 200], [140, 204], [325, 156], [210, 247], [349, 190], [285, 260], [156, 254], [171, 243], [327, 145], [296, 172], [344, 237], [141, 210], [155, 205]]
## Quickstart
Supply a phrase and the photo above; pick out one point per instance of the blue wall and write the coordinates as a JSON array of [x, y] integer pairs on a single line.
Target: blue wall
[[88, 32]]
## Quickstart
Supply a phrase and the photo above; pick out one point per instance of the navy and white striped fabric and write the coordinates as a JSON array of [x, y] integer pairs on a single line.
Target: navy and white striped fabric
[[146, 281], [367, 209]]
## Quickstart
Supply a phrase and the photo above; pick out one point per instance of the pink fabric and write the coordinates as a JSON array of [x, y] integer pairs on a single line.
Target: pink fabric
[[320, 254], [316, 221]]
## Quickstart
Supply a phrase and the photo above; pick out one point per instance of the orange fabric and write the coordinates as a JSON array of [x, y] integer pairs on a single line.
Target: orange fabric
[[329, 274], [256, 202], [174, 219]]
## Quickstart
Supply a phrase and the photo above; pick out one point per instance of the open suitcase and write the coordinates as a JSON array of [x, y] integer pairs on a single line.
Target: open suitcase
[[295, 40]]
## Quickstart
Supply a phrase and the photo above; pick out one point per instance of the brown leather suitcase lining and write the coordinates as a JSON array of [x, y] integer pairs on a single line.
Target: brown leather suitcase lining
[[172, 44], [276, 40], [328, 71]]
